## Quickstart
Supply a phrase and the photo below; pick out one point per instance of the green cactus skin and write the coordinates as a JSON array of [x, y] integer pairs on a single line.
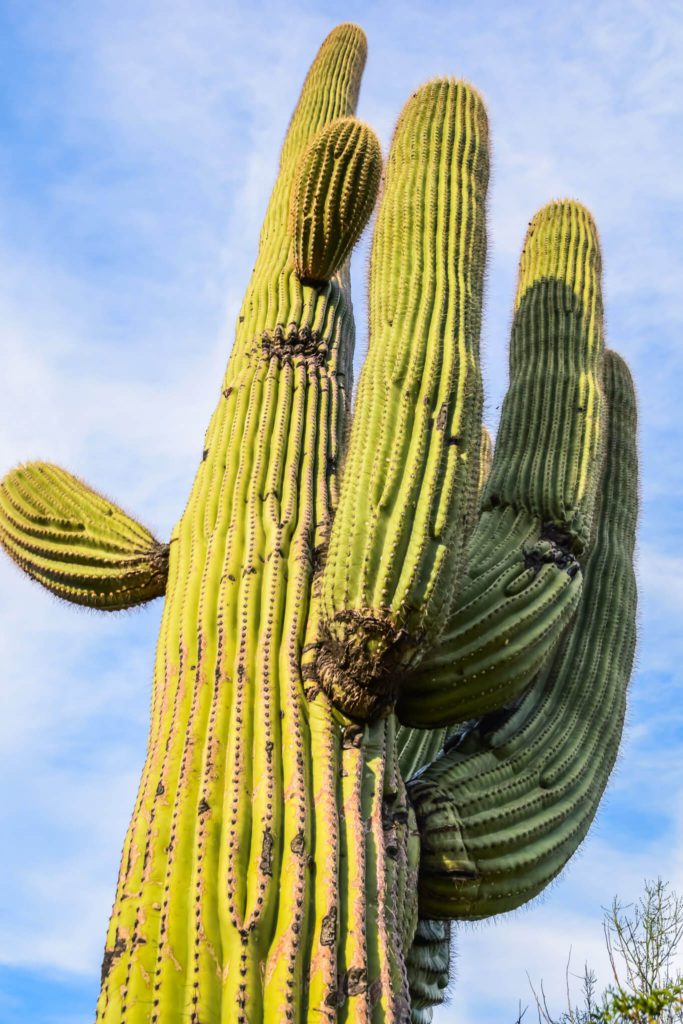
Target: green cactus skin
[[503, 810], [523, 579], [485, 458], [429, 964], [76, 543], [334, 193], [411, 469], [250, 888], [299, 842]]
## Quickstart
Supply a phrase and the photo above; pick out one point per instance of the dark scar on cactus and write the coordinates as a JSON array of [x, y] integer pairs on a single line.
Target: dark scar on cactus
[[328, 928], [297, 341], [359, 681], [554, 548], [110, 955]]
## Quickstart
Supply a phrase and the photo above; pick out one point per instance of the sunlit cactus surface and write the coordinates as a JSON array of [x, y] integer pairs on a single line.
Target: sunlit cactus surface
[[392, 667]]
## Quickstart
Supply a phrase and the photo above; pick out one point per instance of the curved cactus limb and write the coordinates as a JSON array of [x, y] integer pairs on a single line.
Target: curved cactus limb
[[429, 965], [523, 577], [412, 465], [503, 810], [78, 544]]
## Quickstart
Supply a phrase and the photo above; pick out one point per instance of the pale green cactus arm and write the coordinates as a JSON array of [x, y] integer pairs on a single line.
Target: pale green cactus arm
[[79, 545], [334, 193], [412, 465]]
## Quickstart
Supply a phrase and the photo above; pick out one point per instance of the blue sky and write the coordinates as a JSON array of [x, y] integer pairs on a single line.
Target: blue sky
[[140, 143]]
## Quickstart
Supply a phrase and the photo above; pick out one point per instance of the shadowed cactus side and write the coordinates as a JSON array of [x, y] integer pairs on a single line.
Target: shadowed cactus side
[[390, 680]]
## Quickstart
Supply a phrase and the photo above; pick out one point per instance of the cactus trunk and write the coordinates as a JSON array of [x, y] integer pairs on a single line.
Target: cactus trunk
[[248, 848]]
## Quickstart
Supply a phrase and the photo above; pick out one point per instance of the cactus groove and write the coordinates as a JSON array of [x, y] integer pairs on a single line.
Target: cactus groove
[[391, 673]]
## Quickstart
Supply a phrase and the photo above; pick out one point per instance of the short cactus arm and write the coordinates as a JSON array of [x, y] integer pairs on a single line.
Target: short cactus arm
[[411, 468], [335, 190], [79, 545], [503, 810], [523, 578]]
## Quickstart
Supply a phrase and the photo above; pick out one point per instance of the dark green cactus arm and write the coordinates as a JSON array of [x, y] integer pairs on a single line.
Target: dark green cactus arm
[[79, 545], [411, 469], [502, 812], [334, 193], [429, 965], [523, 577]]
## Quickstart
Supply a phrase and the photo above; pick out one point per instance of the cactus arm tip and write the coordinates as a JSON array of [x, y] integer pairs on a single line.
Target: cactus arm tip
[[335, 189], [76, 543]]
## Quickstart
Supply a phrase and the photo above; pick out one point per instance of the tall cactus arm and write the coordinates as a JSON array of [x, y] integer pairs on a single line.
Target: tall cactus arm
[[523, 578], [503, 810], [79, 545], [428, 964], [411, 468]]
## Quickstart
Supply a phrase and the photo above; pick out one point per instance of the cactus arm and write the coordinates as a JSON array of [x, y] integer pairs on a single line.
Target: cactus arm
[[76, 543], [523, 578], [429, 964], [334, 193], [411, 467], [502, 812]]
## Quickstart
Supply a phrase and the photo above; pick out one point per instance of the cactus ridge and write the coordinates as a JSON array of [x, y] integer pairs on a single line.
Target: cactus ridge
[[386, 700], [485, 458], [412, 462], [76, 543], [335, 190], [523, 579], [502, 811], [429, 966]]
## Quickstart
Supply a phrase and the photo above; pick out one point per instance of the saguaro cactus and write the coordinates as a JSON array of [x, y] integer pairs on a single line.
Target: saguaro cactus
[[389, 684]]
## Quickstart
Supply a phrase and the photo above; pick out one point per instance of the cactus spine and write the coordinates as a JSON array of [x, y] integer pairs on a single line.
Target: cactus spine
[[312, 811]]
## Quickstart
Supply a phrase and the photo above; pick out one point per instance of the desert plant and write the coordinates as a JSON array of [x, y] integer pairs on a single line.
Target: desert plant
[[389, 686], [642, 942]]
